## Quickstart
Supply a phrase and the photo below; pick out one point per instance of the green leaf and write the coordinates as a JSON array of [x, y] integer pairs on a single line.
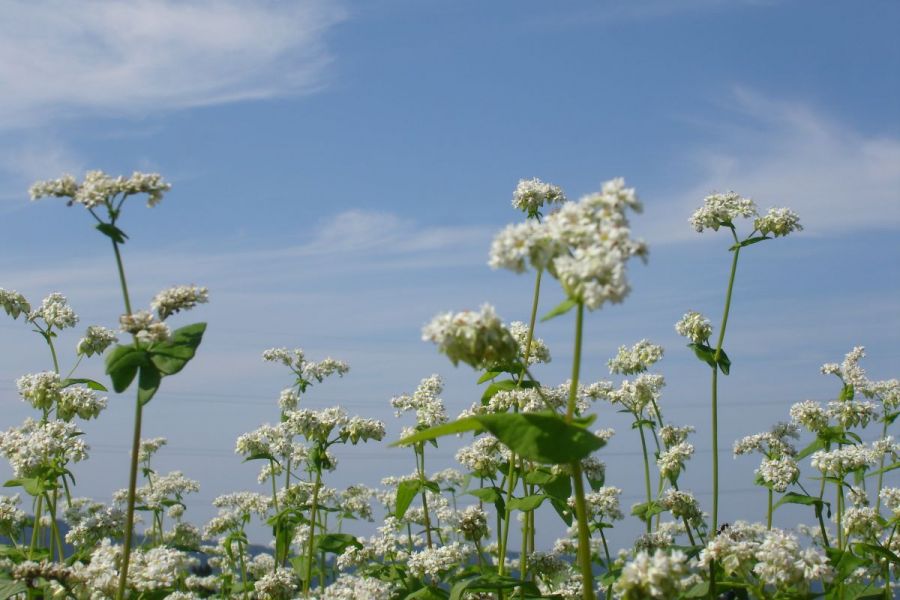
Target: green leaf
[[497, 386], [336, 542], [543, 437], [9, 588], [112, 232], [817, 444], [32, 485], [647, 510], [750, 242], [490, 582], [890, 467], [877, 551], [458, 426], [488, 375], [561, 309], [490, 494], [539, 476], [427, 593], [148, 383], [406, 491], [794, 498], [171, 356], [94, 385], [724, 362], [122, 365], [528, 503], [704, 353]]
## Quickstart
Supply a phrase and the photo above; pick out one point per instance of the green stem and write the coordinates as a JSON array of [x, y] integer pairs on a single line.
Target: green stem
[[274, 487], [52, 352], [884, 429], [840, 514], [769, 512], [507, 514], [312, 530], [715, 388], [420, 465], [646, 470], [584, 535], [36, 526], [243, 570], [129, 514]]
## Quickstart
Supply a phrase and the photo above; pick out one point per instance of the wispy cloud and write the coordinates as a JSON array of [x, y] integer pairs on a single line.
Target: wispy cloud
[[64, 59], [786, 154]]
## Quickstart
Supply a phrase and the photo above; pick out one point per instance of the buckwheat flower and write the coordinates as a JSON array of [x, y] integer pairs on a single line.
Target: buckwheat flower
[[733, 547], [857, 496], [682, 505], [539, 352], [661, 539], [325, 368], [605, 434], [602, 504], [671, 461], [533, 194], [853, 413], [64, 187], [161, 491], [694, 327], [640, 393], [14, 303], [483, 456], [55, 312], [315, 425], [849, 370], [840, 461], [288, 400], [265, 440], [522, 244], [472, 523], [12, 518], [771, 443], [435, 562], [151, 184], [90, 521], [41, 390], [177, 299], [352, 587], [778, 473], [425, 402], [886, 445], [720, 210], [861, 522], [810, 415], [81, 401], [658, 576], [782, 564], [277, 585], [34, 446], [150, 446], [637, 359], [449, 478], [672, 435], [361, 429], [281, 355], [891, 498], [95, 341], [778, 222], [144, 326], [478, 339]]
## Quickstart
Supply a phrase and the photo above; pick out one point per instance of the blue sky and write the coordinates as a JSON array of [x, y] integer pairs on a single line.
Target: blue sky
[[339, 170]]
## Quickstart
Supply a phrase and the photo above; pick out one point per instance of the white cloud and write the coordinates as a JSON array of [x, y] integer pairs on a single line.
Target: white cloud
[[836, 178], [65, 59]]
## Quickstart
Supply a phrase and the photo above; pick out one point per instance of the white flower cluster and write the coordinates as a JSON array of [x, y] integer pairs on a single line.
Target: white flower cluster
[[148, 447], [637, 359], [602, 504], [14, 303], [778, 222], [161, 490], [853, 413], [483, 456], [11, 516], [178, 298], [472, 523], [694, 327], [671, 461], [672, 435], [41, 390], [533, 194], [55, 312], [539, 352], [149, 570], [144, 326], [352, 587], [682, 505], [849, 370], [478, 339], [720, 210], [779, 473], [840, 461], [91, 521], [306, 370], [771, 443], [810, 415], [861, 521], [653, 577], [81, 401], [891, 498], [434, 562], [425, 402], [96, 340], [277, 585], [99, 188], [35, 445], [638, 394], [585, 245]]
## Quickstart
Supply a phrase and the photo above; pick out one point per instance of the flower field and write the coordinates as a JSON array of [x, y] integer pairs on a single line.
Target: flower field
[[531, 446]]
